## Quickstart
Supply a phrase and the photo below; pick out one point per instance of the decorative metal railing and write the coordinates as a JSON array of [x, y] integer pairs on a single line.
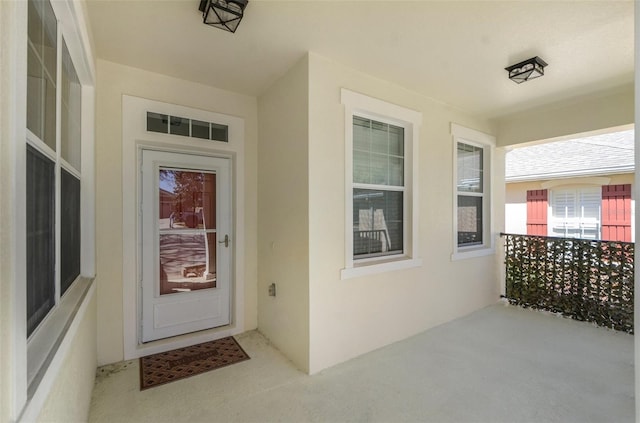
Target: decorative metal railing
[[583, 279]]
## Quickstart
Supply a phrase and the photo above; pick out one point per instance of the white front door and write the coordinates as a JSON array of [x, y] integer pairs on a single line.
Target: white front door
[[185, 217]]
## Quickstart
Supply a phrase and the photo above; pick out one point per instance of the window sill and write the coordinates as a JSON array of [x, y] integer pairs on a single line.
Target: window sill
[[45, 341], [375, 268], [472, 253]]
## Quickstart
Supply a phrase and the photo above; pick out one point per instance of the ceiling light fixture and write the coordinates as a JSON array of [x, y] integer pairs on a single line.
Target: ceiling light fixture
[[524, 71], [223, 14]]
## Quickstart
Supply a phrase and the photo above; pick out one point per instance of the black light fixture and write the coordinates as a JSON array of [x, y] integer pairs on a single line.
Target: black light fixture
[[223, 14], [524, 71]]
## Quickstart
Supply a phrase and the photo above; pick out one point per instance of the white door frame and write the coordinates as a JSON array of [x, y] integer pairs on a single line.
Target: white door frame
[[135, 138]]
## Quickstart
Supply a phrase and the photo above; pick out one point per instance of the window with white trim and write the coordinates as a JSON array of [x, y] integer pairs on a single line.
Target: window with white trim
[[53, 165], [381, 221], [575, 212], [472, 197], [378, 189], [57, 173]]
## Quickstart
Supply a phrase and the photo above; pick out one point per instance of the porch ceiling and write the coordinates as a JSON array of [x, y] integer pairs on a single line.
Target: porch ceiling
[[453, 51]]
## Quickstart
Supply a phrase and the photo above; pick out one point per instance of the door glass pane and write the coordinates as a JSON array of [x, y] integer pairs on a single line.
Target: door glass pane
[[187, 199], [187, 213], [187, 262]]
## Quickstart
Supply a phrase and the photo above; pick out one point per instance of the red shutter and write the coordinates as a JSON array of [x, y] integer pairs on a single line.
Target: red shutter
[[537, 203], [616, 212]]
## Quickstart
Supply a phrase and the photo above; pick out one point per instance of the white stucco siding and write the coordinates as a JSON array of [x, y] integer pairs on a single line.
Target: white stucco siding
[[515, 218], [353, 316], [76, 375], [283, 214], [515, 207]]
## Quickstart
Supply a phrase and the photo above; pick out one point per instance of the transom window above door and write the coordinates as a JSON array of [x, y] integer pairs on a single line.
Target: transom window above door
[[175, 125]]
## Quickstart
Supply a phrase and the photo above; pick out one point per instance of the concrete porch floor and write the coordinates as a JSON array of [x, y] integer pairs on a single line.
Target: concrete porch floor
[[499, 364]]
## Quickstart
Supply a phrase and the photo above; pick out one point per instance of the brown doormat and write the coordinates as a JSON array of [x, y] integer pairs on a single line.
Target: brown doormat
[[161, 368]]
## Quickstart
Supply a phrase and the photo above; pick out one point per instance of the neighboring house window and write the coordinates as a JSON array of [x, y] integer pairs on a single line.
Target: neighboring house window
[[472, 199], [575, 213], [581, 212], [381, 220]]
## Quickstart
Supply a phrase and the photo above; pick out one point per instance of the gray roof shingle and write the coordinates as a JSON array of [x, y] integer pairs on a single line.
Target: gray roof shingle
[[596, 155]]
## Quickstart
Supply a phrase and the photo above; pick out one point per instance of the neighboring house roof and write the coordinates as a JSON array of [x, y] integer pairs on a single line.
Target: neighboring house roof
[[166, 194], [597, 155]]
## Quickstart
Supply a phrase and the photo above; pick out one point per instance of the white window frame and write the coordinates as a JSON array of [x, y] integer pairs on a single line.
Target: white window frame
[[36, 361], [579, 221], [356, 104], [462, 134]]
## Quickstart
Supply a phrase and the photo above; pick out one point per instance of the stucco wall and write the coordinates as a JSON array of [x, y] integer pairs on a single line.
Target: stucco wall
[[515, 207], [114, 80], [516, 196], [584, 114], [283, 210], [354, 316], [7, 216], [70, 396]]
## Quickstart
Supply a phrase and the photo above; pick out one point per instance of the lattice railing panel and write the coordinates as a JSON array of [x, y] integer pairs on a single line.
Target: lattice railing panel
[[584, 279]]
